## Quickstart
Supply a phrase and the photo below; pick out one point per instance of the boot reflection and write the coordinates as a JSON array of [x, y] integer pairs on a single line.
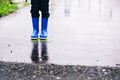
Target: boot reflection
[[44, 52], [35, 52]]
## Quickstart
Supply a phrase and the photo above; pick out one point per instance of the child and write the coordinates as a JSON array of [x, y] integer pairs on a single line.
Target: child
[[36, 6]]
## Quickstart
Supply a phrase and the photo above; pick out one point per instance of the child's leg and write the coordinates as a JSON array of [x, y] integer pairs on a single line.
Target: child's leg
[[44, 22], [35, 18]]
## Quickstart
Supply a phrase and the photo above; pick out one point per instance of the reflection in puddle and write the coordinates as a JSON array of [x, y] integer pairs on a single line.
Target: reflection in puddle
[[67, 7], [35, 52], [100, 8], [44, 52]]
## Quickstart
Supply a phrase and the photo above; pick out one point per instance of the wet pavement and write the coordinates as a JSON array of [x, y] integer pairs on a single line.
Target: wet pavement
[[81, 32], [22, 71]]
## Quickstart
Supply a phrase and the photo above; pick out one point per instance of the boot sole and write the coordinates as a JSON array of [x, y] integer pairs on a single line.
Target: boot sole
[[43, 38], [34, 38]]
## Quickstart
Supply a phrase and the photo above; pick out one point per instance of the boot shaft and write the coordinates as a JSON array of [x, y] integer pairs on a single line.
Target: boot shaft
[[44, 24]]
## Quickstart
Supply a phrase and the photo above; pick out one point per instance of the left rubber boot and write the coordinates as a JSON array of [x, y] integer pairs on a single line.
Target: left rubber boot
[[44, 25], [35, 23]]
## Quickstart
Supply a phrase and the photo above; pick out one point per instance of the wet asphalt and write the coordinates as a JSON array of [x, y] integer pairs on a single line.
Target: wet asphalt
[[83, 34], [22, 71]]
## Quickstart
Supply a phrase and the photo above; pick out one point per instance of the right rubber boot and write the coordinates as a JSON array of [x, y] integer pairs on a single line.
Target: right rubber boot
[[44, 25], [35, 23]]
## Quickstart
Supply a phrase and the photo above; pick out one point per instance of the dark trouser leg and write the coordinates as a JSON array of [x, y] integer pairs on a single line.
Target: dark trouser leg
[[35, 6]]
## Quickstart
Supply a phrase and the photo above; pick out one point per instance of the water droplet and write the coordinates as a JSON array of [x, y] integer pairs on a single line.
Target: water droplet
[[58, 78], [11, 51], [103, 70]]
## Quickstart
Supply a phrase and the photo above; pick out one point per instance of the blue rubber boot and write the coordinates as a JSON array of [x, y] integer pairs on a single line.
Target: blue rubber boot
[[44, 25], [35, 22]]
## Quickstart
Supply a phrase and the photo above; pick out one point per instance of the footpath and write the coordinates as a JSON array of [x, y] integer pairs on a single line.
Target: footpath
[[82, 45]]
